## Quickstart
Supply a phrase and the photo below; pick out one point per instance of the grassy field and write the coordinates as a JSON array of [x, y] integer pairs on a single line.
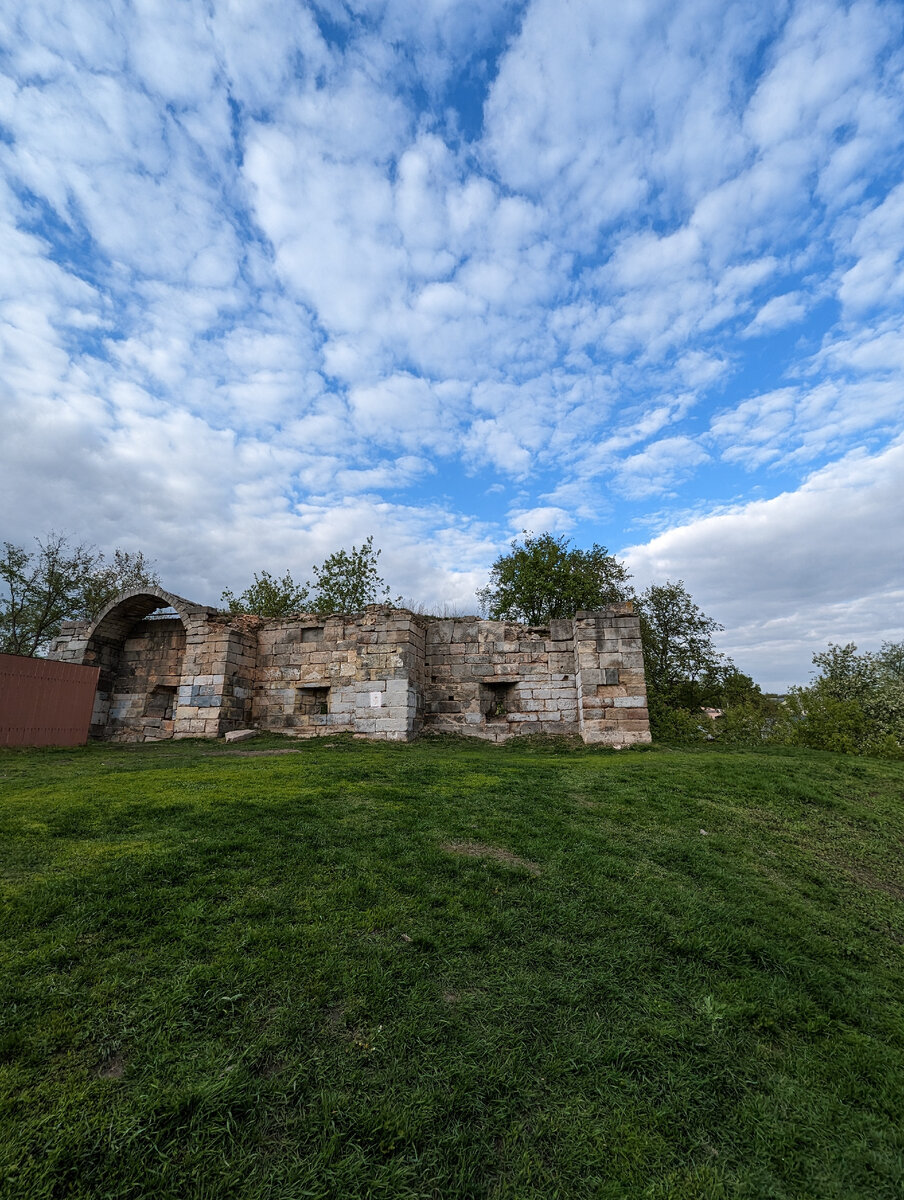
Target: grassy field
[[450, 970]]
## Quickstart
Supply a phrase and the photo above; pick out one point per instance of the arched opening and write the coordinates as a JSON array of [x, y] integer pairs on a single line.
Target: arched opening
[[139, 644]]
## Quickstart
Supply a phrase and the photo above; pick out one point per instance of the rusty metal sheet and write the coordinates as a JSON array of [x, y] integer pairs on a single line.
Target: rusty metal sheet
[[45, 703]]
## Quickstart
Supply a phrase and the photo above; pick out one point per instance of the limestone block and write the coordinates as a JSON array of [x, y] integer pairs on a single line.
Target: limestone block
[[630, 702], [636, 738], [240, 735], [609, 660]]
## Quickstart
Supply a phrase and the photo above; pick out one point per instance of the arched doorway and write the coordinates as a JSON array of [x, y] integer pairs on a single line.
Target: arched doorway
[[138, 642]]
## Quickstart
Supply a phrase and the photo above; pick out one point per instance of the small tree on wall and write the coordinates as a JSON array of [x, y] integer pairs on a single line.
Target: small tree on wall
[[542, 579], [347, 581], [268, 596]]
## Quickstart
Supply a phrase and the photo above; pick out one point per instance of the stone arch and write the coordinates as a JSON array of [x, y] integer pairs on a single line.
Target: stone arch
[[141, 663]]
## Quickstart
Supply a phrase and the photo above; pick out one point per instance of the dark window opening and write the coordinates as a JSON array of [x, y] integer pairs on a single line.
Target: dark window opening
[[160, 703], [312, 701], [501, 699], [312, 633]]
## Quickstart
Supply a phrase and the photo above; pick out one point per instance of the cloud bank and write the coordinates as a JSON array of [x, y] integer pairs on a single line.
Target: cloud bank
[[279, 277]]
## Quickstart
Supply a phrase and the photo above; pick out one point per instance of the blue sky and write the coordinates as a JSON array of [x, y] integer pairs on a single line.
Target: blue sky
[[278, 276]]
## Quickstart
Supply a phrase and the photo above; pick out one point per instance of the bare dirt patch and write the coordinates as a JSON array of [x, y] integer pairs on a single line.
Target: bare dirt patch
[[113, 1067], [497, 853], [865, 876], [252, 753]]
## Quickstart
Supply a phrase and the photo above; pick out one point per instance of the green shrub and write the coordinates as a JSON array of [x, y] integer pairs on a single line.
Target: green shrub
[[826, 723], [744, 725], [678, 726]]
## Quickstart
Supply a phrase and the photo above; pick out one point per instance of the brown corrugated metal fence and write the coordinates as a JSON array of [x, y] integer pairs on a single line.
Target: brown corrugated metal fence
[[45, 703]]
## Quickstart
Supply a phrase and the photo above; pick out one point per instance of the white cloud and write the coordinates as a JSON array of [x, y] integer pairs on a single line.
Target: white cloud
[[543, 519], [659, 466], [877, 278], [789, 574], [257, 280], [798, 424], [776, 314]]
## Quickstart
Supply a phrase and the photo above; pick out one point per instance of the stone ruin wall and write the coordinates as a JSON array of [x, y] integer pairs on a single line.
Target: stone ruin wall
[[145, 684], [384, 673], [496, 679], [348, 674]]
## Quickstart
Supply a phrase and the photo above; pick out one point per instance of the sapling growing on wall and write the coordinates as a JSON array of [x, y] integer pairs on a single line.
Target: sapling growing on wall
[[268, 596], [347, 581]]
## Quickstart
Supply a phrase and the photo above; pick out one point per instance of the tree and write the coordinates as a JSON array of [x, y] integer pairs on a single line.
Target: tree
[[541, 580], [125, 573], [677, 638], [268, 597], [346, 582], [863, 693], [60, 581]]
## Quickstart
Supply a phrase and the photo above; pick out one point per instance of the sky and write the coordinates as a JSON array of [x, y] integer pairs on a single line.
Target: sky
[[278, 276]]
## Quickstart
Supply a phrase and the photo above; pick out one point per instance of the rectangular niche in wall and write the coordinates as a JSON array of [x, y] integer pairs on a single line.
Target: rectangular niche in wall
[[312, 633], [312, 701], [160, 702], [500, 698]]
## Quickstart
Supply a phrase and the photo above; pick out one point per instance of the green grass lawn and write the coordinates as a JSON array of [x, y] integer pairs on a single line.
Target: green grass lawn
[[450, 970]]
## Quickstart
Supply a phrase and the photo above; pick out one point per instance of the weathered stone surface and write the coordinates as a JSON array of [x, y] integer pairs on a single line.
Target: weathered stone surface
[[382, 673], [240, 735]]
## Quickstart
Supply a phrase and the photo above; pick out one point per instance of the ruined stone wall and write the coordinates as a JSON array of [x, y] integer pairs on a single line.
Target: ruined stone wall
[[354, 674], [217, 677], [145, 681], [382, 673], [495, 679], [610, 676]]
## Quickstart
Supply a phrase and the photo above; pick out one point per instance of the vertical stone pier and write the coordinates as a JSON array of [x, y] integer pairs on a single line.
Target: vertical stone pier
[[612, 691]]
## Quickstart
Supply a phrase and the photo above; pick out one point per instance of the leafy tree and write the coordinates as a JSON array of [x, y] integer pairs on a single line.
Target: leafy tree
[[58, 582], [685, 673], [346, 582], [678, 646], [268, 597], [542, 579], [856, 702], [126, 572]]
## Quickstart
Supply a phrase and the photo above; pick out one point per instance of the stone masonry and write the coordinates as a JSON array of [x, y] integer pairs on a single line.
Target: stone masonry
[[171, 668]]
